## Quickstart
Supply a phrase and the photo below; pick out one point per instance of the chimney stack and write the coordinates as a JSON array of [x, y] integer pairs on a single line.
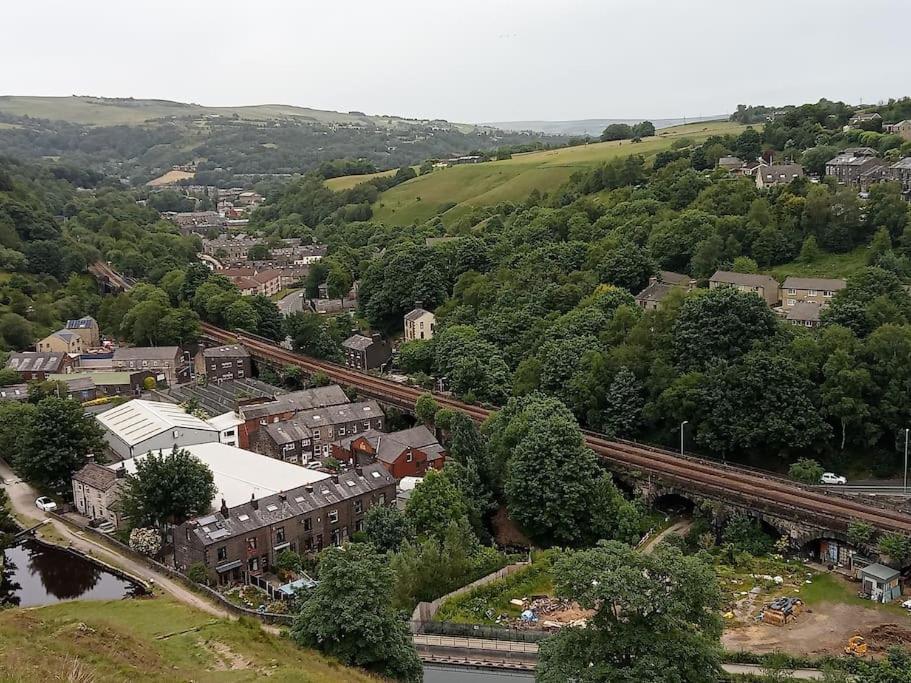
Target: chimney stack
[[359, 471], [282, 497], [419, 304], [224, 509], [335, 479], [309, 488], [376, 337], [253, 502], [121, 472], [90, 457]]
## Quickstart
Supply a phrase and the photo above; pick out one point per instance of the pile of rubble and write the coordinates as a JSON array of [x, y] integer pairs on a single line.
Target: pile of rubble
[[544, 612]]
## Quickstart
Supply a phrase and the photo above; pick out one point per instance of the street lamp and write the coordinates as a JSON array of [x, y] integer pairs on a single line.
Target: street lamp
[[684, 424], [905, 486]]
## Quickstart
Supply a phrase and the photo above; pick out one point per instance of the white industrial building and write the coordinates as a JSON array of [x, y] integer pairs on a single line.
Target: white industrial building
[[137, 427], [241, 475]]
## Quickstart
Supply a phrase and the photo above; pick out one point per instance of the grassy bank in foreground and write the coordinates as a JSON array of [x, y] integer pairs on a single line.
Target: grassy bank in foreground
[[462, 187], [131, 640]]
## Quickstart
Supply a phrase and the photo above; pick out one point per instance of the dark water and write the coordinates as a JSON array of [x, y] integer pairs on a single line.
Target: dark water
[[451, 674], [36, 574]]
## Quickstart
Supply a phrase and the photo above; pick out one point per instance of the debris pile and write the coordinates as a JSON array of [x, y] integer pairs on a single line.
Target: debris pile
[[547, 613], [883, 637], [781, 611]]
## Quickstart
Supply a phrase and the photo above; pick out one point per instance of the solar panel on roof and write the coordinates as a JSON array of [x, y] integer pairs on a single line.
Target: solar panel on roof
[[209, 519], [243, 518], [272, 508], [299, 499]]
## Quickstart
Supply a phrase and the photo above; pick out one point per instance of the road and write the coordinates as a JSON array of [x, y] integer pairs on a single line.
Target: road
[[22, 498], [295, 302]]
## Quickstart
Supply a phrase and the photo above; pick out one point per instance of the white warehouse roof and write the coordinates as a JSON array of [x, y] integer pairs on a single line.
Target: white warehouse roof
[[238, 473], [135, 421]]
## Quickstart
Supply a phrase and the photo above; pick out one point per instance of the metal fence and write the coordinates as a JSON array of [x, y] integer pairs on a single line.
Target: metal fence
[[448, 628]]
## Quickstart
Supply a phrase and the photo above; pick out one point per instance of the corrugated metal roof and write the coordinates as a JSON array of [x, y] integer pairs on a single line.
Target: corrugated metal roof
[[136, 421]]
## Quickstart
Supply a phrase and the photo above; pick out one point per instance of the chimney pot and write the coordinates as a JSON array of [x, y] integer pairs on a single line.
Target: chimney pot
[[335, 479], [419, 304], [224, 509], [359, 471], [253, 502]]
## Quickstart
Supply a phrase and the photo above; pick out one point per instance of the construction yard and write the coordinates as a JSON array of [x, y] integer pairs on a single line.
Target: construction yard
[[831, 613]]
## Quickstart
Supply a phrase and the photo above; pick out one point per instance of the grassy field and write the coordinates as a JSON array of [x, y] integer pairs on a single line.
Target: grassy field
[[170, 178], [827, 265], [346, 182], [141, 640], [513, 179], [95, 111]]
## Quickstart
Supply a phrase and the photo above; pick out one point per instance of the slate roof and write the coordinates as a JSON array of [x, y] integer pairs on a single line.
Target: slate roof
[[416, 314], [358, 342], [655, 291], [818, 283], [804, 311], [305, 399], [301, 425], [33, 361], [97, 476], [744, 279], [14, 392], [780, 173], [146, 353], [230, 351], [292, 502]]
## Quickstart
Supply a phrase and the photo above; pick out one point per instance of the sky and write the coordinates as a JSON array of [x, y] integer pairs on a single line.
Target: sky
[[463, 60]]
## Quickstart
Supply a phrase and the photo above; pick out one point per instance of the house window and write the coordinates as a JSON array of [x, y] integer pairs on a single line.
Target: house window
[[359, 525], [827, 294], [253, 564], [341, 431], [333, 516], [792, 291], [791, 302], [280, 535], [251, 543], [308, 524], [263, 421], [382, 499], [812, 292], [222, 553], [358, 507], [410, 457], [316, 435]]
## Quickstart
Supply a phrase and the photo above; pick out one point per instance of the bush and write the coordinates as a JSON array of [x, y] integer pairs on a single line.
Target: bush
[[197, 573], [148, 383], [805, 471], [746, 535]]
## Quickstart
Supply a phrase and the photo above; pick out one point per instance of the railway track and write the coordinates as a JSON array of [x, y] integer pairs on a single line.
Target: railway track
[[746, 487], [751, 488]]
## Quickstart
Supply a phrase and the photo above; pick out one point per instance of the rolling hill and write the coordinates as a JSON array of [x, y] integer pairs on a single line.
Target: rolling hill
[[488, 183], [117, 111], [593, 126]]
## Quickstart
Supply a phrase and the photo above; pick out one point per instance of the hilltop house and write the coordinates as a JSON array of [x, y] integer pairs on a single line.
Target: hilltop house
[[763, 285], [777, 174], [659, 286], [902, 129], [817, 290], [419, 324]]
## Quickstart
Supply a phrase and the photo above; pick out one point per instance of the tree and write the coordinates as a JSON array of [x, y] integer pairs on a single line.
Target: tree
[[8, 376], [339, 281], [56, 441], [269, 317], [314, 336], [624, 404], [425, 408], [748, 144], [844, 391], [805, 471], [654, 614], [146, 541], [387, 528], [643, 129], [744, 264], [434, 503], [721, 323], [895, 546], [259, 252], [349, 615], [860, 533], [288, 561], [886, 209], [627, 265], [549, 476], [241, 315], [617, 131], [16, 332], [416, 356], [167, 489], [809, 250]]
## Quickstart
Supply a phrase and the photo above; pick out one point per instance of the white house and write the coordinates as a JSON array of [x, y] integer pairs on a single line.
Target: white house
[[419, 324]]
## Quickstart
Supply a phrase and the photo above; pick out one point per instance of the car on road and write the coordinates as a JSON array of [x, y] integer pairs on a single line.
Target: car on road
[[46, 504], [831, 478]]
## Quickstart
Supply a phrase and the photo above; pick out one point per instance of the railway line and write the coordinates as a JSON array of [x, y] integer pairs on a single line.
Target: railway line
[[749, 488], [745, 487]]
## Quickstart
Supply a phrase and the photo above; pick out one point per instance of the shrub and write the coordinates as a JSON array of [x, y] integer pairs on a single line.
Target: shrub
[[148, 383], [197, 573]]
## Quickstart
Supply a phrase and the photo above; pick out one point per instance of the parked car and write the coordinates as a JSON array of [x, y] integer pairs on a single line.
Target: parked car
[[46, 504], [831, 478]]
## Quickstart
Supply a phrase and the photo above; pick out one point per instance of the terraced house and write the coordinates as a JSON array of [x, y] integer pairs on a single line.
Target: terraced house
[[814, 290], [240, 541], [257, 414]]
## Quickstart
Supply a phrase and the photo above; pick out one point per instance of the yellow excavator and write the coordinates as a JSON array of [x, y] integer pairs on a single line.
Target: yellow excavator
[[856, 647]]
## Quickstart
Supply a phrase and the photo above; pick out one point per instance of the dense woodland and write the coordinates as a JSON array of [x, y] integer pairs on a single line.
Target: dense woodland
[[537, 297], [235, 151]]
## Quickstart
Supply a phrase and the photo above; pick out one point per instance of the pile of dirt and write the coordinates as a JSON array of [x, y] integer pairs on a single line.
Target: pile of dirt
[[883, 637], [548, 613]]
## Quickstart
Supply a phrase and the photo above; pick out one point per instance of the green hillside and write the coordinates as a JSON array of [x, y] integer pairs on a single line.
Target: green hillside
[[151, 640], [107, 111], [510, 180]]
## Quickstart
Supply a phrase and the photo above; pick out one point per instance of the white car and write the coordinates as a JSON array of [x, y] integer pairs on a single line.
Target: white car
[[831, 478], [46, 504]]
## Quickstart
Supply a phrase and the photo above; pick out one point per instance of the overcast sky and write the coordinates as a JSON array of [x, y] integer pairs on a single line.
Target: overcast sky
[[464, 60]]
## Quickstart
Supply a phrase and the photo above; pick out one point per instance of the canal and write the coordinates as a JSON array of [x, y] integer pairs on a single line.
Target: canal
[[37, 574], [435, 673]]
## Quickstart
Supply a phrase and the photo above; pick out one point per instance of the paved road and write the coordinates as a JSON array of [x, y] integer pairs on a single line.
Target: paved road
[[295, 302], [22, 497]]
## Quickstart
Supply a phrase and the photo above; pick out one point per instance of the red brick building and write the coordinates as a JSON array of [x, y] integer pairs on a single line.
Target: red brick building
[[408, 453]]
